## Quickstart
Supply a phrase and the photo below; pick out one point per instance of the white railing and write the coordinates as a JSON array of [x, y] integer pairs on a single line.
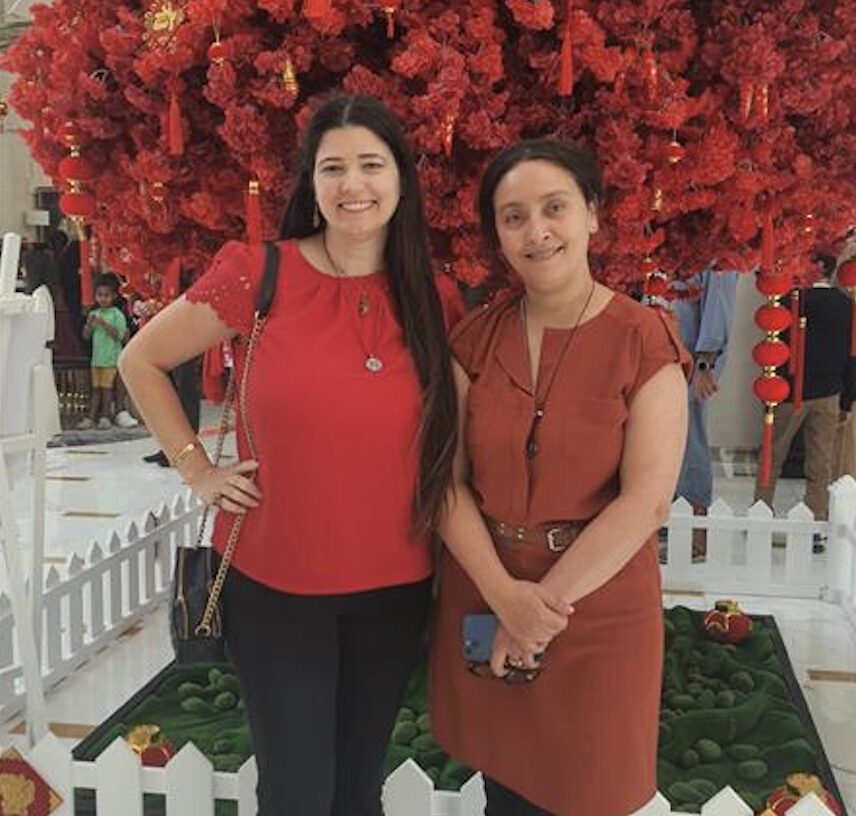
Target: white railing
[[97, 598], [190, 787]]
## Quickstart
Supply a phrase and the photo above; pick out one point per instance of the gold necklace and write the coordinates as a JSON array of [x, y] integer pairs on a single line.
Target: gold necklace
[[372, 362], [531, 447]]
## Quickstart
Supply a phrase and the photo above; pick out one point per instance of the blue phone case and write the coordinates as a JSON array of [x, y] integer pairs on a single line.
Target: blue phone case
[[478, 634]]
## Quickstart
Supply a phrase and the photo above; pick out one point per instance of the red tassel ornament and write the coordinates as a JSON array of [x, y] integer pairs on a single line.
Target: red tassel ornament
[[795, 321], [86, 294], [176, 136], [254, 213], [765, 458], [799, 372], [652, 77], [566, 66], [767, 246]]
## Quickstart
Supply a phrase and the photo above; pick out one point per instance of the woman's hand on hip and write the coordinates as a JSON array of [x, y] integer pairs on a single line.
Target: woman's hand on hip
[[532, 614], [227, 487]]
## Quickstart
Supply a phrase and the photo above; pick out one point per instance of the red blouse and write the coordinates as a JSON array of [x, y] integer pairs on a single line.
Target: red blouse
[[337, 444]]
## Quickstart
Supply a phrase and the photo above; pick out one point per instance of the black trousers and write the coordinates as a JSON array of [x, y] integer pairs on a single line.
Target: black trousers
[[322, 679], [504, 802]]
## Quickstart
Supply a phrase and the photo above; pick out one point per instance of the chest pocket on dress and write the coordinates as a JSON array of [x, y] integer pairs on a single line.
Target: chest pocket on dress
[[591, 428], [482, 421]]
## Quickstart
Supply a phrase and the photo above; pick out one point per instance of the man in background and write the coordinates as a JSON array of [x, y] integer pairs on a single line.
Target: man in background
[[704, 316], [829, 386]]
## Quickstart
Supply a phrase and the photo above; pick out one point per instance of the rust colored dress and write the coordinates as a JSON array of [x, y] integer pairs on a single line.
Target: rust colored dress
[[581, 740]]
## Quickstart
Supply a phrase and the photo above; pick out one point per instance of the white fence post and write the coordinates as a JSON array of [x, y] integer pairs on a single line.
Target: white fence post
[[119, 775], [798, 548], [841, 544], [408, 791], [189, 783]]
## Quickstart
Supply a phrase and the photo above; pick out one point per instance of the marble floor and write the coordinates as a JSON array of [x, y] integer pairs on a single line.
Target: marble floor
[[94, 490]]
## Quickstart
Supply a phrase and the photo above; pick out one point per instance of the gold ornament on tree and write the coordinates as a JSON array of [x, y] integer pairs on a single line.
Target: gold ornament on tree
[[289, 77], [160, 22]]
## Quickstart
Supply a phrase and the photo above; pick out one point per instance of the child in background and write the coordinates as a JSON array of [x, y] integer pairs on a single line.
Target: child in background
[[108, 330]]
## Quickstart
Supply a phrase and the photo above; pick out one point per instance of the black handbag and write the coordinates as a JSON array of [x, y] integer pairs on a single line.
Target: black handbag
[[196, 620]]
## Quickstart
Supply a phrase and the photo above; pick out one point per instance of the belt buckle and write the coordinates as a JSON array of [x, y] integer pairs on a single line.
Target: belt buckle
[[553, 545]]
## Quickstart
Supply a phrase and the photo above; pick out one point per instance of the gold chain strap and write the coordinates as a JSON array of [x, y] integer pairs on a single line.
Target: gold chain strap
[[204, 627]]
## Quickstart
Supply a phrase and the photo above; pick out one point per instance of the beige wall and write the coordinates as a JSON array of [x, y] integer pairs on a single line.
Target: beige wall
[[19, 174]]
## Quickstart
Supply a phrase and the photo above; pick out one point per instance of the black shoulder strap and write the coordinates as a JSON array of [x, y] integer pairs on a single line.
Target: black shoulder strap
[[267, 290]]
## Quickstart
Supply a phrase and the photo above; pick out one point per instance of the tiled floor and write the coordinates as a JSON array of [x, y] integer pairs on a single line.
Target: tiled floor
[[107, 487]]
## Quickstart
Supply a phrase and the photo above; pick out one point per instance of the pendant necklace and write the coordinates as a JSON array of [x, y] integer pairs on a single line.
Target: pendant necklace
[[372, 362], [531, 448]]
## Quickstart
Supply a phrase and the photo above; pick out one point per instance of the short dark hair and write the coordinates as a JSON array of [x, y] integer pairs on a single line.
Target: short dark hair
[[411, 285], [827, 264], [107, 280], [579, 161]]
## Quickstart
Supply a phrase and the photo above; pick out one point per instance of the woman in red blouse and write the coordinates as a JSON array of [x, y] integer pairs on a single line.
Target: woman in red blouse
[[352, 405]]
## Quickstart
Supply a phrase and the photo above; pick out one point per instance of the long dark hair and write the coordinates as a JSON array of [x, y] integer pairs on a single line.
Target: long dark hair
[[579, 161], [40, 269], [411, 283]]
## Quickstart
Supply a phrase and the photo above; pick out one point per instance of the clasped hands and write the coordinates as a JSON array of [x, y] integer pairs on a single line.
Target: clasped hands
[[530, 616]]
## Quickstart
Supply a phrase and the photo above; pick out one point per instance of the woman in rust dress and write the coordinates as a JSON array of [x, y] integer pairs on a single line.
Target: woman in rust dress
[[573, 424]]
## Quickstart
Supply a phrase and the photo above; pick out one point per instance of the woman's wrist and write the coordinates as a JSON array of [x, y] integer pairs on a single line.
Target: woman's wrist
[[193, 466], [495, 588]]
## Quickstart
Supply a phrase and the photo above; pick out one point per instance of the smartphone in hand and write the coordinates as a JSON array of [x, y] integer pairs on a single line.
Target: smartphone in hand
[[478, 633]]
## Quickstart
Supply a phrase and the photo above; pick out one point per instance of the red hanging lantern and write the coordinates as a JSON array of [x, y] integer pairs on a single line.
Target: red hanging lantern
[[675, 152], [771, 353], [217, 52], [77, 204], [648, 265], [772, 317]]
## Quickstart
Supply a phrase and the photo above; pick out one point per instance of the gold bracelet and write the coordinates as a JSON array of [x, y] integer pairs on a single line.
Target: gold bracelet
[[184, 453]]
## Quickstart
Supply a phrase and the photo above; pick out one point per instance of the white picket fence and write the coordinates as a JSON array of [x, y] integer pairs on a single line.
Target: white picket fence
[[760, 554], [100, 597], [96, 599], [190, 787]]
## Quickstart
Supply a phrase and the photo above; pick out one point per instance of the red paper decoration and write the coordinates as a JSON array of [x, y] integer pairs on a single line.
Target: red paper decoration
[[781, 800], [23, 791], [727, 623]]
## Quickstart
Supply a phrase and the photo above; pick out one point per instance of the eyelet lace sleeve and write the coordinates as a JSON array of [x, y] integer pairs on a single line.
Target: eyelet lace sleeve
[[230, 285]]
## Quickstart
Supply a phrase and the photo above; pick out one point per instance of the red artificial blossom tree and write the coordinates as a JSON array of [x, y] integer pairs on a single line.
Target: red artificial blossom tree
[[712, 120]]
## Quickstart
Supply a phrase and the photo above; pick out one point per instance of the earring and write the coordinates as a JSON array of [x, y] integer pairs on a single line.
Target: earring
[[316, 217]]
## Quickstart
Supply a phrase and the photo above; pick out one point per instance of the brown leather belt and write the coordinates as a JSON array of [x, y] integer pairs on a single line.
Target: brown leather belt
[[556, 537]]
